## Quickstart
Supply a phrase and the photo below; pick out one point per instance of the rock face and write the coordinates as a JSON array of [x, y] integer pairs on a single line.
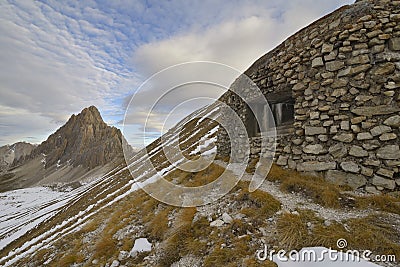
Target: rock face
[[342, 74], [84, 140], [83, 149], [15, 152]]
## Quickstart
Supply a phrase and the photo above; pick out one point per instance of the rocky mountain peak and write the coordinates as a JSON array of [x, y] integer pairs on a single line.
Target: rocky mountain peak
[[14, 152], [84, 140]]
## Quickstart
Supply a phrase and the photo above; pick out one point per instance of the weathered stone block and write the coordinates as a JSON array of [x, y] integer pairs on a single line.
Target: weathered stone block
[[384, 69], [394, 17], [389, 152], [344, 72], [326, 48], [361, 59], [367, 171], [350, 166], [394, 44], [315, 166], [334, 65], [339, 92], [316, 149], [282, 161], [343, 178], [383, 182], [385, 172], [358, 120], [317, 62], [345, 125], [339, 83], [393, 121], [345, 138], [380, 129], [359, 69], [371, 162], [310, 130], [357, 151], [364, 136], [338, 151], [388, 136], [377, 110]]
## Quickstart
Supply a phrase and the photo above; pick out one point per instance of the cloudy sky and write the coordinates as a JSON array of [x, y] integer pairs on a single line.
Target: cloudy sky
[[58, 57]]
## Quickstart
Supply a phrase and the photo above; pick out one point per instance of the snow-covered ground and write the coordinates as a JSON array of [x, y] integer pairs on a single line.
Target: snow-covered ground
[[22, 210]]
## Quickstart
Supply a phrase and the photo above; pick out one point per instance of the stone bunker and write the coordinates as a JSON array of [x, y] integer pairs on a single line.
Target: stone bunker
[[334, 91]]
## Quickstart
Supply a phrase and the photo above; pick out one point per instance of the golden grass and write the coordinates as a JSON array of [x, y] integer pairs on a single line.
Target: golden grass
[[316, 188], [379, 202], [70, 259], [196, 179], [292, 231], [181, 235], [105, 247], [231, 256], [159, 224], [261, 204], [374, 233]]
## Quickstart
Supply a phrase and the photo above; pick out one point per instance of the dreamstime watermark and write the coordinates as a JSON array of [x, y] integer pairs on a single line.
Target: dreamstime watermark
[[322, 255], [190, 84]]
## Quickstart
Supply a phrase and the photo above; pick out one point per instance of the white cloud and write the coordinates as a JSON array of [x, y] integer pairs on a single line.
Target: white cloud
[[51, 69], [246, 33]]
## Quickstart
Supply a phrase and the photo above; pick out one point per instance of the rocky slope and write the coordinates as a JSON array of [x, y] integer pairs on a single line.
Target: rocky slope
[[14, 152]]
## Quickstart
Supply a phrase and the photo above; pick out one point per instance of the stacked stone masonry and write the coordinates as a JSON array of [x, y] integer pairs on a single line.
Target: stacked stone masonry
[[343, 72]]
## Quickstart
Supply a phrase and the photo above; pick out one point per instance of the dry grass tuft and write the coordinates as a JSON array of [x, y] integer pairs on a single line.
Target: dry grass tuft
[[379, 202], [158, 226], [374, 233], [261, 204], [105, 247], [316, 188], [292, 231]]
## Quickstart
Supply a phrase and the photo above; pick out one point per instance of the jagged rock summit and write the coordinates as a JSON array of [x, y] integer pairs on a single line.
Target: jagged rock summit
[[84, 140], [84, 148], [14, 152]]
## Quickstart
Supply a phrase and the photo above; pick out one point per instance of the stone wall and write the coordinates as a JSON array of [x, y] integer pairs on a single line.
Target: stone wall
[[343, 71]]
